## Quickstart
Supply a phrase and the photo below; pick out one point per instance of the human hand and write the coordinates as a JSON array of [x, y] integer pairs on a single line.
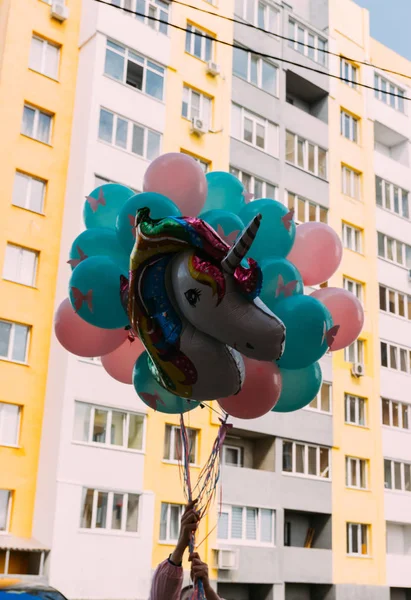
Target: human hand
[[188, 524], [199, 570]]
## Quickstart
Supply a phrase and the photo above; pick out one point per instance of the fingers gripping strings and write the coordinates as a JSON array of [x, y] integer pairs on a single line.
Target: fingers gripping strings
[[206, 486]]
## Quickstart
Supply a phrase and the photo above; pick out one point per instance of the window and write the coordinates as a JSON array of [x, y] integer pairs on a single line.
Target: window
[[397, 475], [9, 425], [351, 182], [14, 340], [394, 250], [395, 414], [44, 57], [352, 238], [20, 265], [149, 11], [355, 472], [233, 456], [255, 70], [349, 72], [306, 210], [306, 155], [357, 539], [239, 524], [349, 127], [355, 287], [307, 42], [392, 197], [199, 43], [99, 181], [5, 509], [111, 511], [355, 410], [135, 70], [170, 522], [36, 124], [172, 444], [389, 93], [204, 164], [110, 427], [254, 130], [261, 14], [395, 357], [305, 459], [196, 105], [254, 185], [395, 303], [28, 192], [355, 352], [322, 402], [129, 136]]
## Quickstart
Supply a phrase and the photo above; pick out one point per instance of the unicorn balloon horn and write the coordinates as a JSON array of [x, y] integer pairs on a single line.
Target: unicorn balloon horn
[[241, 246]]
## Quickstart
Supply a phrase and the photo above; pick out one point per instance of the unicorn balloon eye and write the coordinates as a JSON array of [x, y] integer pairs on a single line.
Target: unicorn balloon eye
[[180, 263]]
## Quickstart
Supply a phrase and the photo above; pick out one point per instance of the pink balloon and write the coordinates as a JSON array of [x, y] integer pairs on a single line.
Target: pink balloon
[[316, 252], [346, 311], [120, 363], [180, 178], [81, 338], [260, 392]]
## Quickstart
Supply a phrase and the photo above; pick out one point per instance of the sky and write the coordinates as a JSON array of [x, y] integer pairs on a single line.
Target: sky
[[390, 23]]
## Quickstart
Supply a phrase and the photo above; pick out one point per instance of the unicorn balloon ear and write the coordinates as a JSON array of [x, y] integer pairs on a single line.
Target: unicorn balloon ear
[[240, 248]]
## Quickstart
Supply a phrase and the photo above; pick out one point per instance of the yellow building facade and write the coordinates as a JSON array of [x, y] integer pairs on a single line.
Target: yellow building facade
[[38, 68]]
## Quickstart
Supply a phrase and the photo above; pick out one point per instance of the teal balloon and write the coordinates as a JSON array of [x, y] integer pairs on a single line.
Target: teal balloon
[[155, 396], [281, 280], [94, 292], [160, 206], [306, 321], [276, 234], [225, 223], [225, 192], [98, 242], [104, 203], [299, 388]]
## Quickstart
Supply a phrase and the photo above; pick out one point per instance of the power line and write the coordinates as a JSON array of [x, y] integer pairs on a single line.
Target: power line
[[261, 54], [287, 39]]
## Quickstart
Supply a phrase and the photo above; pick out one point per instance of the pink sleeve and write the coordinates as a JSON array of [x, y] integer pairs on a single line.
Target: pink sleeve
[[167, 582]]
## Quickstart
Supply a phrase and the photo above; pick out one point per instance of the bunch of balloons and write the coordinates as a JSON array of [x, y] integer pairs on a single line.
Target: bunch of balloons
[[135, 317]]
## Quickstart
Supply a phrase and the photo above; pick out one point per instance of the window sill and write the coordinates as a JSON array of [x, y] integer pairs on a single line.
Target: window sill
[[391, 262], [356, 425], [202, 60], [246, 543], [362, 556], [111, 533], [320, 412], [108, 447], [130, 87], [390, 314], [395, 429], [29, 137], [44, 75], [398, 492], [26, 285], [396, 370], [14, 362], [357, 489], [304, 171], [176, 463], [33, 212], [392, 212], [256, 147], [301, 476], [128, 152], [354, 251], [14, 446], [167, 542], [348, 197]]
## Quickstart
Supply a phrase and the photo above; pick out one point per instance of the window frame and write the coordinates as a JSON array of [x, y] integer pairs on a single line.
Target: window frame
[[401, 405], [244, 541], [6, 531], [126, 428], [306, 160], [21, 250], [395, 243], [109, 514], [260, 63], [402, 464], [359, 352], [155, 25], [358, 248], [358, 288], [173, 432], [353, 72], [406, 302], [30, 179], [193, 31], [254, 20], [241, 174], [318, 400], [294, 472], [307, 204], [397, 348], [360, 530], [168, 539], [389, 100], [202, 98], [18, 425], [11, 342], [402, 193], [45, 44], [204, 164], [357, 411], [354, 126], [359, 464], [295, 44], [353, 190], [239, 450], [37, 112]]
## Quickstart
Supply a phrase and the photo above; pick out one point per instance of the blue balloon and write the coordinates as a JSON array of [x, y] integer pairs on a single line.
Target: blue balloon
[[306, 321], [226, 224], [103, 205], [98, 241], [160, 206], [277, 229], [225, 192], [155, 396], [281, 279], [299, 388], [94, 292]]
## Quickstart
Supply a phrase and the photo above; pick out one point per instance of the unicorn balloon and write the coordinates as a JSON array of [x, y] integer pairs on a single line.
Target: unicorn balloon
[[195, 307]]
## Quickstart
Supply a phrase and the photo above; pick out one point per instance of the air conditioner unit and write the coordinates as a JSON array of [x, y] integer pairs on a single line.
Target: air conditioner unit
[[213, 68], [357, 369], [198, 126], [227, 560], [59, 11]]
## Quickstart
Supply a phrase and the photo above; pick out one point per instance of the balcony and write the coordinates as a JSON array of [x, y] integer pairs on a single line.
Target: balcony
[[245, 591], [397, 593], [398, 554], [307, 96], [391, 144], [307, 547], [301, 591]]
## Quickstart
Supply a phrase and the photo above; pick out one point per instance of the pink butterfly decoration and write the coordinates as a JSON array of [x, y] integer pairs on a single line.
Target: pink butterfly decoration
[[151, 399], [76, 261], [94, 202], [286, 289], [287, 219], [80, 298], [230, 238], [330, 335]]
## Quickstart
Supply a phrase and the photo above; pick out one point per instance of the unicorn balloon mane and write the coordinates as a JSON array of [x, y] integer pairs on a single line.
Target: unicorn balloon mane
[[195, 307]]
